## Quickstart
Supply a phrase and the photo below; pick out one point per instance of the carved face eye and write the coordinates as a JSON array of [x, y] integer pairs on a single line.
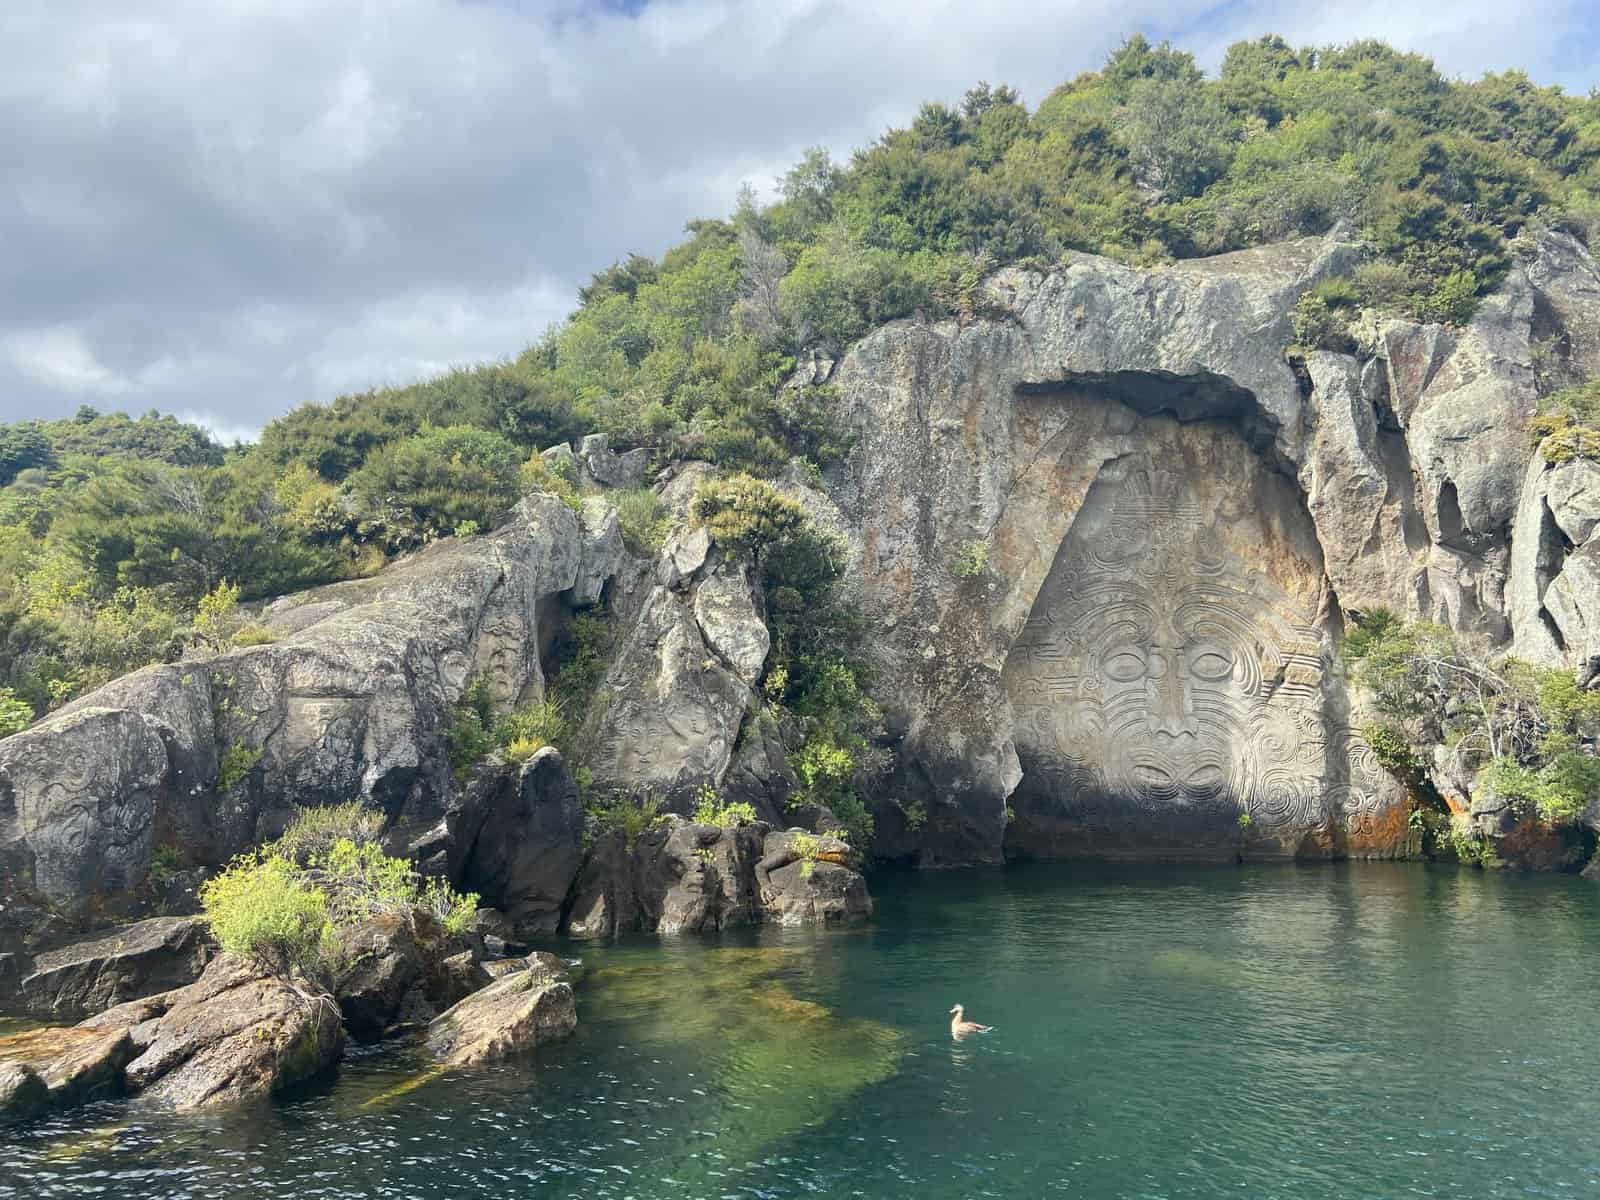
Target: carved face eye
[[1211, 663], [1125, 665]]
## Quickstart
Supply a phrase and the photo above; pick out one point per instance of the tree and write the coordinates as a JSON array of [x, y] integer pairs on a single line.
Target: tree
[[1177, 135]]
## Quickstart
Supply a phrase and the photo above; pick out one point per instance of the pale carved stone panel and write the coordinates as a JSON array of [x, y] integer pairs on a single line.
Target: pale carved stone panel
[[1163, 684]]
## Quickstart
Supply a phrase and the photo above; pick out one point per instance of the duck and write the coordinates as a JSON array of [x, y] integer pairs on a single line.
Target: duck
[[960, 1027]]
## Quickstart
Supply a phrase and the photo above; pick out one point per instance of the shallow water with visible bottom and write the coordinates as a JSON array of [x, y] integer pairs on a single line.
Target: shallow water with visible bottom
[[1345, 1031]]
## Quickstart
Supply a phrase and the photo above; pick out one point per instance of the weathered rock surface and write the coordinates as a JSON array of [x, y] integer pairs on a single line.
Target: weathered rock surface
[[348, 704], [516, 839], [1170, 520], [233, 1035], [23, 1092], [817, 886], [71, 1065], [689, 878], [511, 1016], [397, 972], [136, 960]]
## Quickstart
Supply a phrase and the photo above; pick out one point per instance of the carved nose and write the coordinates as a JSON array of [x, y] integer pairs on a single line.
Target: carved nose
[[1168, 708]]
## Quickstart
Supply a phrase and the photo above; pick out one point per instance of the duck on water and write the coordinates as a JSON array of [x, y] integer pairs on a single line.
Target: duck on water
[[960, 1027]]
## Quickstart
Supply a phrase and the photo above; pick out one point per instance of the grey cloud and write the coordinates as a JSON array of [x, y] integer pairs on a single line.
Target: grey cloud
[[227, 210]]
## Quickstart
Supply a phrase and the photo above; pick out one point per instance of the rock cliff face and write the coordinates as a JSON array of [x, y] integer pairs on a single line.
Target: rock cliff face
[[212, 756], [1105, 536]]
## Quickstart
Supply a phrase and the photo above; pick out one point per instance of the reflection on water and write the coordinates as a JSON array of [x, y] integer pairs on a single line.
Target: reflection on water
[[1263, 1032]]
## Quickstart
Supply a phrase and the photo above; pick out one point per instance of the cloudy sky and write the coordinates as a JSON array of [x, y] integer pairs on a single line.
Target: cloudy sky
[[226, 209]]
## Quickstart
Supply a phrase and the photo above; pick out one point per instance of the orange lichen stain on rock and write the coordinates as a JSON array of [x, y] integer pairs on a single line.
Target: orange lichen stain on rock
[[1533, 845], [43, 1045], [1458, 804], [1386, 834]]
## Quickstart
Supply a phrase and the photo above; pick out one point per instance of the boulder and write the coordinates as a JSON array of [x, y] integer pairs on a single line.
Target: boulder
[[74, 1065], [516, 840], [154, 955], [233, 1035], [688, 878], [804, 879], [603, 551], [23, 1092], [396, 972], [511, 1016], [608, 468], [668, 716]]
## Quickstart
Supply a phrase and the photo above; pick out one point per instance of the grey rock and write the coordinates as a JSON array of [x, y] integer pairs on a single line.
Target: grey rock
[[1573, 492], [349, 706], [516, 840], [730, 619], [511, 1016], [23, 1092], [602, 551], [818, 885], [608, 468], [395, 971], [670, 710], [150, 956], [685, 553], [231, 1036]]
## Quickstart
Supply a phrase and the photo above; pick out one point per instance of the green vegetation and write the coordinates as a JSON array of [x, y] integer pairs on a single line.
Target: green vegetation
[[709, 810], [15, 715], [620, 813], [1568, 424], [644, 520], [972, 560], [1526, 733], [113, 529], [314, 831], [811, 670], [472, 731], [237, 763], [289, 907]]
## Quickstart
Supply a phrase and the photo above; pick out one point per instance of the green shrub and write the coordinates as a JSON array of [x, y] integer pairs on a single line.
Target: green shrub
[[469, 727], [644, 520], [746, 515], [541, 724], [15, 715], [254, 634], [262, 908], [520, 750], [427, 485], [620, 813], [313, 832], [165, 862], [537, 475], [237, 763], [1391, 748], [709, 810], [1318, 325]]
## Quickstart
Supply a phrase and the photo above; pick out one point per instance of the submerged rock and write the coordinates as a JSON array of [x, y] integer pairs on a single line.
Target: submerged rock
[[511, 1016], [55, 1067], [136, 960]]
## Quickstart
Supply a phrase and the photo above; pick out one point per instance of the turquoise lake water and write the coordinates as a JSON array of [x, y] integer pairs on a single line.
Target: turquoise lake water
[[1349, 1031]]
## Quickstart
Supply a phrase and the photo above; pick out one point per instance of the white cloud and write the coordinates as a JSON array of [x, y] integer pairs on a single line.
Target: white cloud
[[59, 358], [236, 210]]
